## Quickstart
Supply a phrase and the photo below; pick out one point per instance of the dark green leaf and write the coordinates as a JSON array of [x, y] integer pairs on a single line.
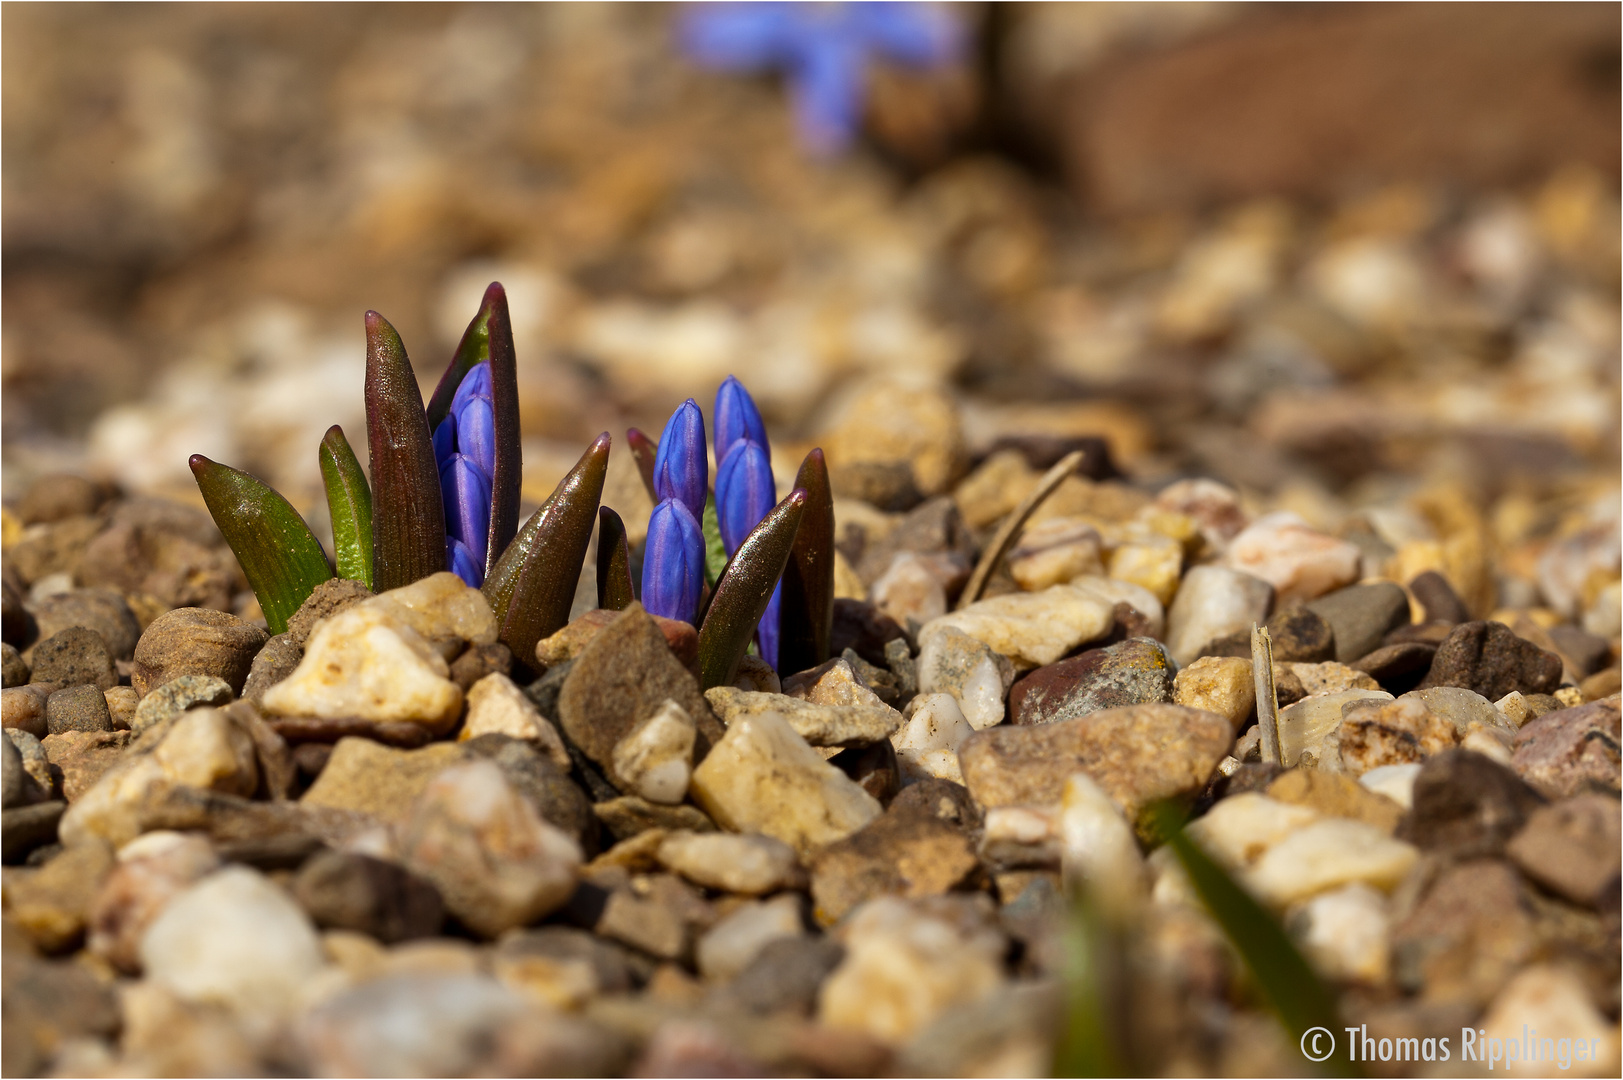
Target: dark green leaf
[[1286, 980], [614, 590], [715, 552], [745, 589], [349, 501], [532, 586], [643, 450], [408, 518], [280, 555], [807, 612]]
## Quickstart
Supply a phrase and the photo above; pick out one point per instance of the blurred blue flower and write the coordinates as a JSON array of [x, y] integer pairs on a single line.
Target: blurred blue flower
[[673, 562], [823, 49], [681, 469], [465, 448]]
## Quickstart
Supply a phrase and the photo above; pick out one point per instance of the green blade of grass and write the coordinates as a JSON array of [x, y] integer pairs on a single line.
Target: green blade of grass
[[279, 554], [408, 518], [349, 501], [744, 590], [614, 590], [532, 586], [807, 618], [1092, 1043], [1286, 980]]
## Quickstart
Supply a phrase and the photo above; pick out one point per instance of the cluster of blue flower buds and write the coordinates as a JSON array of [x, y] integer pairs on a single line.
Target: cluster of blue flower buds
[[465, 450], [673, 569]]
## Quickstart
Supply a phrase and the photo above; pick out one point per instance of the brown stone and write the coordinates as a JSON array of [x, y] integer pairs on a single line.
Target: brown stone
[[102, 610], [374, 779], [1335, 795], [83, 756], [621, 677], [1571, 847], [907, 851], [1491, 660], [1467, 936], [1467, 805], [328, 598], [73, 657], [52, 903], [567, 643], [1137, 754], [196, 641]]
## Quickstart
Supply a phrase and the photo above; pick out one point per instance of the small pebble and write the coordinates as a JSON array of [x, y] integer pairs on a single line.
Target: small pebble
[[1213, 602], [176, 696], [72, 657], [196, 641], [727, 948], [750, 865], [655, 758]]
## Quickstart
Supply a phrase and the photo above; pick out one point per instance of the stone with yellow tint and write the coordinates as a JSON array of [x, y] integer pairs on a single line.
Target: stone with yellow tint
[[368, 663], [1220, 684]]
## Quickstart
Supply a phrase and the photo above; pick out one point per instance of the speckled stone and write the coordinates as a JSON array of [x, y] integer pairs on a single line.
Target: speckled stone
[[1138, 754], [1563, 752], [1133, 672], [1491, 660]]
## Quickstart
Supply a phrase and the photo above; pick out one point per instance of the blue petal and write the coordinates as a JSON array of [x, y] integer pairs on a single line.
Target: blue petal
[[673, 562], [466, 492], [736, 417], [739, 37], [475, 384], [476, 434], [681, 470], [745, 492], [768, 632], [462, 563], [445, 440], [828, 86]]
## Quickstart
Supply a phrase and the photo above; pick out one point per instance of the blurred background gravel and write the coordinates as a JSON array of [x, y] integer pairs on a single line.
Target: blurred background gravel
[[1334, 255]]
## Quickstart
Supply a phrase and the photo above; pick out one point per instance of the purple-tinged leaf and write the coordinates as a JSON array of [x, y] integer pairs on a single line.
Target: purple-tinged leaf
[[643, 452], [408, 520], [806, 621], [744, 591], [532, 585], [614, 590]]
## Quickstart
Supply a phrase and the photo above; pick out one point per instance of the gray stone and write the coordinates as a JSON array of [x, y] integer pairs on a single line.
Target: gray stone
[[77, 708], [785, 976], [1461, 707], [952, 662], [72, 657], [347, 891], [176, 696], [25, 828], [102, 610], [1360, 616], [17, 788]]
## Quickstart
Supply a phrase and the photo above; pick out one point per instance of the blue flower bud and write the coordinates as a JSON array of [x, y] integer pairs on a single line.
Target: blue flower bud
[[736, 417], [475, 412], [445, 440], [466, 494], [745, 492], [681, 470], [462, 563], [673, 561], [766, 633]]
